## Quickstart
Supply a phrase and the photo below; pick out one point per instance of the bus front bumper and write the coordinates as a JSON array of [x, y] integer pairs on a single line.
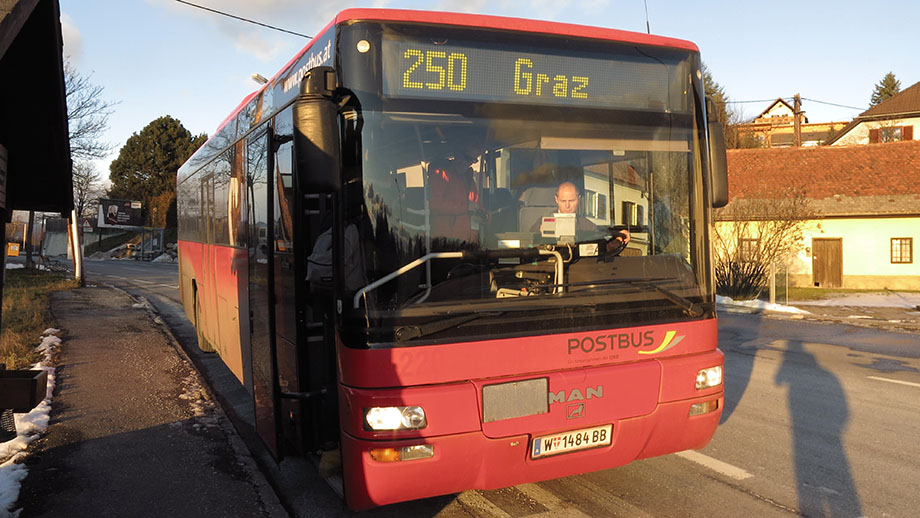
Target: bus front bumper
[[473, 461]]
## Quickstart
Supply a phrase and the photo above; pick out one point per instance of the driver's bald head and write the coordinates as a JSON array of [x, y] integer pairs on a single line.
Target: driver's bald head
[[567, 198]]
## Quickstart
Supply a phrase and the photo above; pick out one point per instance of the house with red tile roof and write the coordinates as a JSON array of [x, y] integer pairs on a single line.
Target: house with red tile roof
[[775, 127], [864, 204], [892, 120]]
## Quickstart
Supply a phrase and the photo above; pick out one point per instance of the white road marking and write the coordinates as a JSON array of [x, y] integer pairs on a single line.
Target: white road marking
[[899, 382], [714, 464]]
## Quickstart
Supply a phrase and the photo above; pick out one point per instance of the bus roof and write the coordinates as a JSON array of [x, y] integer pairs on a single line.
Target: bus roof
[[511, 24]]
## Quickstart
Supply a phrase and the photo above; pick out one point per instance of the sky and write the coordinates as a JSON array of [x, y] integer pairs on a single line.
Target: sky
[[163, 57]]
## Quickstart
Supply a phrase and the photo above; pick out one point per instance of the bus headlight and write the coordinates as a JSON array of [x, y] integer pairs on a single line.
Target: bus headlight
[[419, 451], [395, 418], [708, 378]]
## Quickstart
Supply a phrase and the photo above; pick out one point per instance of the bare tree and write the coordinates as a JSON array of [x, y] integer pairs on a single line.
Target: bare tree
[[753, 233], [87, 115], [87, 187]]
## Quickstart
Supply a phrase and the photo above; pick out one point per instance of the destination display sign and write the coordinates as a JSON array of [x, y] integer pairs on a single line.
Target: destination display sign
[[425, 70]]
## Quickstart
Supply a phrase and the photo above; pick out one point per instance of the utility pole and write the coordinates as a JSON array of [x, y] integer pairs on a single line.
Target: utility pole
[[29, 263], [797, 121], [77, 247]]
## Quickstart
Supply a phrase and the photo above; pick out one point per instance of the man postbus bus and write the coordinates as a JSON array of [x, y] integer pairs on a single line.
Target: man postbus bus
[[374, 244]]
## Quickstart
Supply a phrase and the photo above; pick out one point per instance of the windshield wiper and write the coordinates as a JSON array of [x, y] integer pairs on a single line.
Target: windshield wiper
[[406, 333], [690, 308]]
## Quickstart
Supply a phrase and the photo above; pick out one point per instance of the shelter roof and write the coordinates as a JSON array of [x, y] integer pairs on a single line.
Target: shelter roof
[[33, 112]]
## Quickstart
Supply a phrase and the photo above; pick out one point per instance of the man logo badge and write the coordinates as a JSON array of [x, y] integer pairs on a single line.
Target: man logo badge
[[575, 411]]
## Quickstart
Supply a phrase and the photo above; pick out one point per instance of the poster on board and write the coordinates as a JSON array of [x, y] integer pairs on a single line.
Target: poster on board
[[119, 213]]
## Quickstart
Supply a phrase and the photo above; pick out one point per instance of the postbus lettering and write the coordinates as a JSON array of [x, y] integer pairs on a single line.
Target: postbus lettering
[[602, 343]]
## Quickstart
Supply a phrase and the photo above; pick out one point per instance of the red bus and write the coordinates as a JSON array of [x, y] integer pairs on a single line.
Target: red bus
[[408, 247]]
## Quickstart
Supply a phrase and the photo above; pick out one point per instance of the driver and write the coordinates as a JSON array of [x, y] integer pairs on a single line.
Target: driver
[[567, 198]]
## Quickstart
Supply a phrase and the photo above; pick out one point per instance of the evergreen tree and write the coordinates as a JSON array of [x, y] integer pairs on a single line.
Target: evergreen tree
[[716, 92], [146, 166], [888, 87], [724, 114]]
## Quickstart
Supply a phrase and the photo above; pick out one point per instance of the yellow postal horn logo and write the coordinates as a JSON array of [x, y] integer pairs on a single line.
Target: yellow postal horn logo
[[668, 342]]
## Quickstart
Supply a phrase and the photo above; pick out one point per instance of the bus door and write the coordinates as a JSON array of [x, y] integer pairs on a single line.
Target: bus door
[[286, 275], [261, 289], [303, 331], [207, 293]]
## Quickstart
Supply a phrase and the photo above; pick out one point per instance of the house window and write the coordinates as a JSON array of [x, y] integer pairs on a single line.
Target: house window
[[747, 249], [596, 204], [628, 217], [902, 250], [891, 134]]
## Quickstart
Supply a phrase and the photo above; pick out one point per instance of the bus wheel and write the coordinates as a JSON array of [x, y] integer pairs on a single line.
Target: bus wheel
[[203, 342]]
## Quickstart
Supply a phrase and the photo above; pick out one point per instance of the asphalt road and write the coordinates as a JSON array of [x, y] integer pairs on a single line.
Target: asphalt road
[[821, 419]]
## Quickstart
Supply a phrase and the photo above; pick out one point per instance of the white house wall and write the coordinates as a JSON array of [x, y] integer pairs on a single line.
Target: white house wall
[[866, 252], [859, 135]]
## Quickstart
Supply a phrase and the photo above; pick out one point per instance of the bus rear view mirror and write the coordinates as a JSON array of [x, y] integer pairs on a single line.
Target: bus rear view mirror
[[718, 165], [316, 133]]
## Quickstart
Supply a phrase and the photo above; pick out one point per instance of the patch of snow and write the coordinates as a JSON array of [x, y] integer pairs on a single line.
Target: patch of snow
[[14, 266], [759, 304], [141, 304], [29, 427]]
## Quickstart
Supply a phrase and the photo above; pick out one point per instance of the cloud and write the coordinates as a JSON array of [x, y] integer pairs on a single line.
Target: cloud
[[310, 16], [259, 41], [534, 9], [73, 41]]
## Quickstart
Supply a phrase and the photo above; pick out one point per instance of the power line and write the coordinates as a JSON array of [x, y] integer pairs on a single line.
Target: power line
[[244, 19], [755, 101], [832, 104], [787, 99]]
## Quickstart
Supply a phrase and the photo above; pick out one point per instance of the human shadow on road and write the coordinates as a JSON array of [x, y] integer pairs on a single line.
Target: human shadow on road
[[819, 412], [739, 361]]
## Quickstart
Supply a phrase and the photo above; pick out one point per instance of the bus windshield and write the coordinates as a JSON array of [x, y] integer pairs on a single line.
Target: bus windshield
[[484, 215]]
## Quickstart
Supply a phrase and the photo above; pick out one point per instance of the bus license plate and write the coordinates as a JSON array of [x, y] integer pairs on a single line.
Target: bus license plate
[[570, 441]]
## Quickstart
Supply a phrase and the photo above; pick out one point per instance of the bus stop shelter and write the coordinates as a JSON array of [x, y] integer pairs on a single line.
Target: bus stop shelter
[[35, 165]]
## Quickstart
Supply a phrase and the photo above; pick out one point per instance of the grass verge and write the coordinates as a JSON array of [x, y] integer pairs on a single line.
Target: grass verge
[[27, 313]]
